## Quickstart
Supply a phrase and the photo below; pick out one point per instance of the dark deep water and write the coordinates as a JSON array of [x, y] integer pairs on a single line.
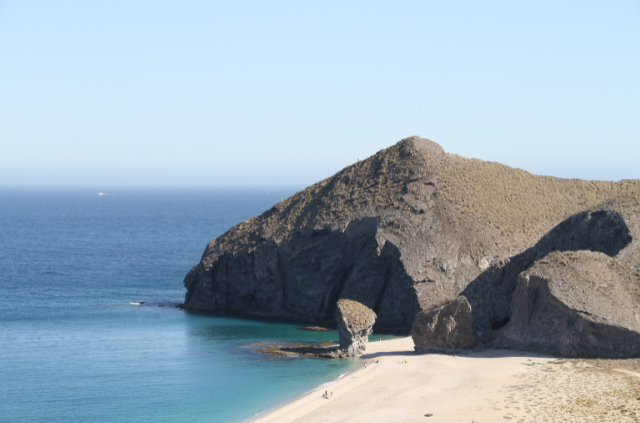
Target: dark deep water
[[74, 347]]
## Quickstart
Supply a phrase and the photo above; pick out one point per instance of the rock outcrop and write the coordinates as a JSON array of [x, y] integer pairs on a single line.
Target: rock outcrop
[[579, 294], [408, 229], [445, 328], [355, 323], [575, 304]]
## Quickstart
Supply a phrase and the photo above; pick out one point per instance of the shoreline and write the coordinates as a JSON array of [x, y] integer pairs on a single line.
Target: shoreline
[[480, 386], [319, 390]]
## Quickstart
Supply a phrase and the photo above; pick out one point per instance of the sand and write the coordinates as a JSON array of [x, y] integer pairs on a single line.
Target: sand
[[483, 386]]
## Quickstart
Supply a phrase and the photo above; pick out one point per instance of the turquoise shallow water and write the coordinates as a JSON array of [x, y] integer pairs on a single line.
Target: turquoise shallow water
[[73, 347]]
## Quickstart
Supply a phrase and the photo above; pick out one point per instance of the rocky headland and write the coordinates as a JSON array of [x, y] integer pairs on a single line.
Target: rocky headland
[[459, 243]]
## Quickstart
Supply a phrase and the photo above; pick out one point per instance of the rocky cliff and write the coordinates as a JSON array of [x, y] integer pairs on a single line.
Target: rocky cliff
[[409, 229], [575, 304], [583, 303]]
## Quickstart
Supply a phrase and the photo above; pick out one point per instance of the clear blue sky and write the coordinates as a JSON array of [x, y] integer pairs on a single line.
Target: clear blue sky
[[273, 92]]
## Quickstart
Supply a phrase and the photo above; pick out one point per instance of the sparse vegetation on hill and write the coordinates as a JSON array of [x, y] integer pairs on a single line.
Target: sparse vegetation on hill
[[406, 230]]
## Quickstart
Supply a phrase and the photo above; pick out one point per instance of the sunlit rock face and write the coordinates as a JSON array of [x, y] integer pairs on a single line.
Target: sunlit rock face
[[576, 304], [445, 328], [355, 324]]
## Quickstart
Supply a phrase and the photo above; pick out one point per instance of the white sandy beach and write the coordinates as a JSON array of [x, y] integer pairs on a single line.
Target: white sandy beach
[[486, 386]]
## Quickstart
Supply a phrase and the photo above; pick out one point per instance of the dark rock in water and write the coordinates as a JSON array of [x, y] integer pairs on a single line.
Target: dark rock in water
[[316, 329], [355, 323], [575, 304], [406, 230], [444, 328], [314, 349]]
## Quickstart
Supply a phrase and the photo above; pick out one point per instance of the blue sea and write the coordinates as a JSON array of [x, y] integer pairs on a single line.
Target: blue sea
[[89, 331]]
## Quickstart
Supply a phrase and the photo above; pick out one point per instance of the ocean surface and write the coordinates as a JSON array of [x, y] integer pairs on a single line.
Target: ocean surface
[[76, 345]]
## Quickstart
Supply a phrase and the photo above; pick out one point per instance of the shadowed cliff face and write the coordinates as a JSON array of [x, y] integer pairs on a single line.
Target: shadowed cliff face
[[403, 231], [305, 278], [490, 294], [575, 293]]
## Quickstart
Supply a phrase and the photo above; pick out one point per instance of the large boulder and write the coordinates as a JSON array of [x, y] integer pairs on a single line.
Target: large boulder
[[575, 304], [355, 324], [445, 328]]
